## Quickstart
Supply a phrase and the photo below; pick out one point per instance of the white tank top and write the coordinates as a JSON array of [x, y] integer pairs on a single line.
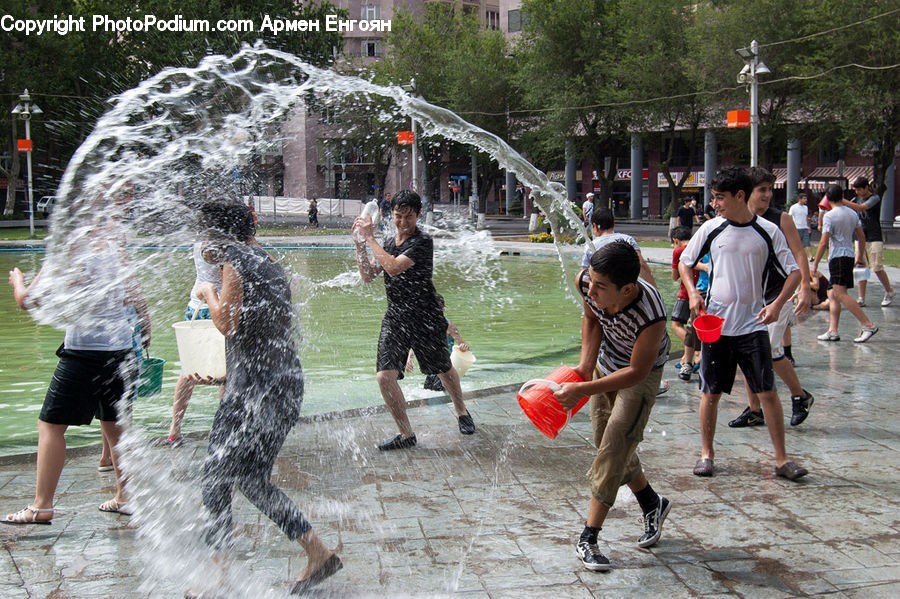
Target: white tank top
[[206, 273]]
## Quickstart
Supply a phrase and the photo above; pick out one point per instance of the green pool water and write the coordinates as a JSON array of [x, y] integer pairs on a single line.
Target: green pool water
[[518, 329]]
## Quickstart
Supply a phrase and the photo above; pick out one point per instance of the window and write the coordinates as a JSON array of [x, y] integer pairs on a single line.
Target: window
[[370, 48], [515, 20], [370, 12], [492, 19]]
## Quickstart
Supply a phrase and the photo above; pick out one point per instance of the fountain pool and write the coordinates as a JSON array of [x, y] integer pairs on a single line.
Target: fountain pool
[[513, 341]]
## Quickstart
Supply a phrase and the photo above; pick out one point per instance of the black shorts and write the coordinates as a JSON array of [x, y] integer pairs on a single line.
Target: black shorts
[[752, 352], [841, 271], [87, 384], [427, 337], [681, 311]]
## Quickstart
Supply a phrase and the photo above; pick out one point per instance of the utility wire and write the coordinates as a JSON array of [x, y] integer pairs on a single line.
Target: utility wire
[[679, 96], [812, 35]]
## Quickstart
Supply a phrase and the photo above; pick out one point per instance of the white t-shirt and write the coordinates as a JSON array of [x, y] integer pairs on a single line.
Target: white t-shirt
[[841, 222], [799, 212], [598, 242], [206, 273], [739, 260]]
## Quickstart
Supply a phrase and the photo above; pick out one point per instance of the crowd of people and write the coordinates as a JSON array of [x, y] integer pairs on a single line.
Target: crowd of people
[[746, 263]]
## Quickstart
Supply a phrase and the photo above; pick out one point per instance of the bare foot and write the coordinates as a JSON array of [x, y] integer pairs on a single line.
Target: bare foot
[[316, 572]]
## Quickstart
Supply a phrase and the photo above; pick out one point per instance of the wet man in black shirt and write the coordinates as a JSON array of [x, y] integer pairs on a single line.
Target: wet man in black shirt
[[414, 318]]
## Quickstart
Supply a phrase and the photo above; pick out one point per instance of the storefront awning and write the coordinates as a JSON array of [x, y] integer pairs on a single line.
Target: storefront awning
[[822, 176], [780, 177]]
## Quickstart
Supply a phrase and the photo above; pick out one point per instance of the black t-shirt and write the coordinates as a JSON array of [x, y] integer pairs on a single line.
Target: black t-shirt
[[871, 218], [413, 289], [685, 217]]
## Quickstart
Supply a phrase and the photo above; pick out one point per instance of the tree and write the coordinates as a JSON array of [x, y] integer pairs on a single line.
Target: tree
[[657, 64], [860, 100], [73, 75], [470, 76], [569, 51]]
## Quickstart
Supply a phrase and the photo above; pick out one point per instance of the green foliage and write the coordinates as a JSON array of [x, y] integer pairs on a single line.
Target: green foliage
[[72, 76], [458, 65]]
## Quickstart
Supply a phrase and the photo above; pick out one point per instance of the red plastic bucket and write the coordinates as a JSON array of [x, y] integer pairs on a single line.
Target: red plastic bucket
[[537, 401], [708, 327], [824, 204]]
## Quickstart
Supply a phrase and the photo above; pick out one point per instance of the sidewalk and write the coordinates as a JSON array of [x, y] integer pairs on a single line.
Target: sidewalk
[[496, 515]]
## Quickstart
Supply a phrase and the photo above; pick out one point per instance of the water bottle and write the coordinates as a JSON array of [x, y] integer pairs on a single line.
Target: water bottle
[[371, 212]]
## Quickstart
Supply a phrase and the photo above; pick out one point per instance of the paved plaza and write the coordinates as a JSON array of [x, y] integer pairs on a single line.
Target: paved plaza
[[496, 515]]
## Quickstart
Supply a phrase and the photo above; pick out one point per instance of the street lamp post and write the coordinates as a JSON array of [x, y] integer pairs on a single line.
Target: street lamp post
[[24, 110], [749, 75]]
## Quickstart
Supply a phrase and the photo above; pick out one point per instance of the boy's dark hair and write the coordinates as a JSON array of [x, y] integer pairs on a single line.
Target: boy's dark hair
[[618, 262], [732, 180], [860, 182], [440, 300], [235, 220], [681, 233], [761, 175], [834, 193], [603, 218], [407, 197]]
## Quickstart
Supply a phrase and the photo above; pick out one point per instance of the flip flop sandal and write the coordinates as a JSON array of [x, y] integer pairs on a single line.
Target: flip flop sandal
[[105, 468], [331, 565], [21, 518], [114, 507]]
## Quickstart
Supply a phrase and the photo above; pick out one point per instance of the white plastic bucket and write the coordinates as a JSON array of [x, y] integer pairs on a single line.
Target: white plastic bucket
[[861, 273], [201, 348], [461, 360]]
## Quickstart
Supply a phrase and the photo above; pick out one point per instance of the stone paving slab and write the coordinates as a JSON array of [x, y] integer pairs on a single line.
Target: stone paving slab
[[496, 515]]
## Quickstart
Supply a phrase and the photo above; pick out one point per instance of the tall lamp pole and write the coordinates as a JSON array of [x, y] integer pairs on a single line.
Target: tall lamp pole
[[749, 75], [24, 109]]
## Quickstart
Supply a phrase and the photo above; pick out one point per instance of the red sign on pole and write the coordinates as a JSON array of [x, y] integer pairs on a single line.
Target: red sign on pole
[[738, 118], [406, 138], [24, 145]]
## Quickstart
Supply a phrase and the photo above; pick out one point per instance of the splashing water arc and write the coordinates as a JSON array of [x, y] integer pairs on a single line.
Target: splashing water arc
[[162, 136], [155, 154]]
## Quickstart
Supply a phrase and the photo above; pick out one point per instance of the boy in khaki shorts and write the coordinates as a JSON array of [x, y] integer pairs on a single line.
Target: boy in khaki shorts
[[868, 207], [623, 342]]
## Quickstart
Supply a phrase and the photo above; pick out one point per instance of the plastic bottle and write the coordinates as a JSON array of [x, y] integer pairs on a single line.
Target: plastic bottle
[[371, 212]]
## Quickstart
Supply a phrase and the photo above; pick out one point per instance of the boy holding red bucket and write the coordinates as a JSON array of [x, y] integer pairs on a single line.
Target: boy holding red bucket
[[745, 251], [624, 347]]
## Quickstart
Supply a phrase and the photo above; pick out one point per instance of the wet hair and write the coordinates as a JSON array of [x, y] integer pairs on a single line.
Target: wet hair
[[440, 300], [731, 180], [761, 175], [834, 193], [407, 197], [681, 233], [234, 220], [618, 262], [603, 218], [860, 182]]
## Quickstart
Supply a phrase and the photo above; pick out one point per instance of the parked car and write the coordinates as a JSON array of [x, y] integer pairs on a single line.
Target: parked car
[[45, 204]]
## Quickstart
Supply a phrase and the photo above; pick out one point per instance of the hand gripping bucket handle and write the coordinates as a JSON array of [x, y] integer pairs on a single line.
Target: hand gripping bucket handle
[[543, 409]]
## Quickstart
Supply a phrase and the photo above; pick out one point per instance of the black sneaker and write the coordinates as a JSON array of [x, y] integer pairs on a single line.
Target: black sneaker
[[653, 523], [591, 557], [466, 424], [800, 407], [748, 418], [397, 442]]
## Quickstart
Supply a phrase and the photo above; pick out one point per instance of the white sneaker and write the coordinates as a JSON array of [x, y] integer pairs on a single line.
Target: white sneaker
[[861, 302], [866, 334], [829, 336], [888, 298]]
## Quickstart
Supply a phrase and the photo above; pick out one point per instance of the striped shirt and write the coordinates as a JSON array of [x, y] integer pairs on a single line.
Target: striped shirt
[[621, 330]]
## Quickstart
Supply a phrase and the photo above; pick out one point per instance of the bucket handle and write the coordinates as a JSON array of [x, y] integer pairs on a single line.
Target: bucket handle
[[197, 311], [553, 386]]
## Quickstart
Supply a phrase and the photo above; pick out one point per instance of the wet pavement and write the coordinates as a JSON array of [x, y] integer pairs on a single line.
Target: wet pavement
[[497, 514]]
